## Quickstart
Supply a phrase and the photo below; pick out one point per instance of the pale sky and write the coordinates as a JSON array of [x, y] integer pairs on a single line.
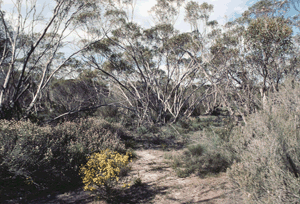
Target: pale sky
[[230, 8]]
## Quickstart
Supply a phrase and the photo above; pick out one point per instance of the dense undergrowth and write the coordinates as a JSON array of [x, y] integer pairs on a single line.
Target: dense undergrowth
[[261, 157], [269, 150], [35, 158], [38, 160], [207, 151]]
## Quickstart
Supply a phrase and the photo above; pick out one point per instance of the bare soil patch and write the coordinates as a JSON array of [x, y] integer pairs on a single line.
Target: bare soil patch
[[155, 171]]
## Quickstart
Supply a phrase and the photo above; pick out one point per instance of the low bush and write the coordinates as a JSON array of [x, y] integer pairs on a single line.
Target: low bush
[[195, 150], [210, 156], [142, 130], [103, 169], [50, 157], [269, 150]]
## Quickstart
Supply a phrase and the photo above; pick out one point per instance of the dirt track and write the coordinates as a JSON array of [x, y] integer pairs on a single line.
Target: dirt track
[[159, 185]]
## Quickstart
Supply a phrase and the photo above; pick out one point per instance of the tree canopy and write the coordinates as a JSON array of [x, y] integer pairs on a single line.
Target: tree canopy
[[158, 74]]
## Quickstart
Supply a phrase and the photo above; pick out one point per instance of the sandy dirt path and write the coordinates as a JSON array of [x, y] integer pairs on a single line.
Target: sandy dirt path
[[155, 171], [159, 184]]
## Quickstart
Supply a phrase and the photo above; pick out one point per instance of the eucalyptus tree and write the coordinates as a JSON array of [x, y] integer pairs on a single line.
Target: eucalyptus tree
[[70, 97], [33, 43], [248, 55], [254, 58], [166, 11], [195, 13], [269, 40], [155, 71], [268, 43]]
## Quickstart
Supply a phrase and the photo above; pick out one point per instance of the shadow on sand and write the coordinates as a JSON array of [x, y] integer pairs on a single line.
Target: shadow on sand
[[135, 194]]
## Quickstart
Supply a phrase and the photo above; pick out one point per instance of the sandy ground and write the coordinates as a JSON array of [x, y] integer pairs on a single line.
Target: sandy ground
[[155, 171], [159, 184]]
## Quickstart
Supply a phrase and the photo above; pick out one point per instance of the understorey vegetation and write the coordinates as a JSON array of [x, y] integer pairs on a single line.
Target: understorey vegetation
[[227, 95]]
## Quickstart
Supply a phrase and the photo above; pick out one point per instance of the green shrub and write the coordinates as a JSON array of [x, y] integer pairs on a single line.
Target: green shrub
[[109, 112], [210, 156], [269, 150], [195, 150], [142, 130], [184, 124], [93, 135], [196, 124], [183, 173], [129, 121], [176, 162], [50, 156]]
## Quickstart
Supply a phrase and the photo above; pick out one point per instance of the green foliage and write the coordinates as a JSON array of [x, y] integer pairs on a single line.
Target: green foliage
[[196, 124], [130, 143], [195, 12], [145, 129], [176, 162], [110, 113], [129, 122], [200, 123], [183, 173], [142, 130], [103, 169], [211, 155], [165, 12], [264, 33], [195, 150], [81, 93], [51, 156]]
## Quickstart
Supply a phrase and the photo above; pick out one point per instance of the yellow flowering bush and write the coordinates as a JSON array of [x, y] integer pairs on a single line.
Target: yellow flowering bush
[[102, 169]]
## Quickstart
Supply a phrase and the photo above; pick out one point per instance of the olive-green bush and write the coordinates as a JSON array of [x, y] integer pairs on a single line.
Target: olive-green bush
[[269, 150], [210, 154], [50, 157]]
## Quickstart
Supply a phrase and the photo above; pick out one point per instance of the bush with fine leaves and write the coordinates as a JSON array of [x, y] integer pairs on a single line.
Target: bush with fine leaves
[[39, 158], [208, 154], [269, 150]]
